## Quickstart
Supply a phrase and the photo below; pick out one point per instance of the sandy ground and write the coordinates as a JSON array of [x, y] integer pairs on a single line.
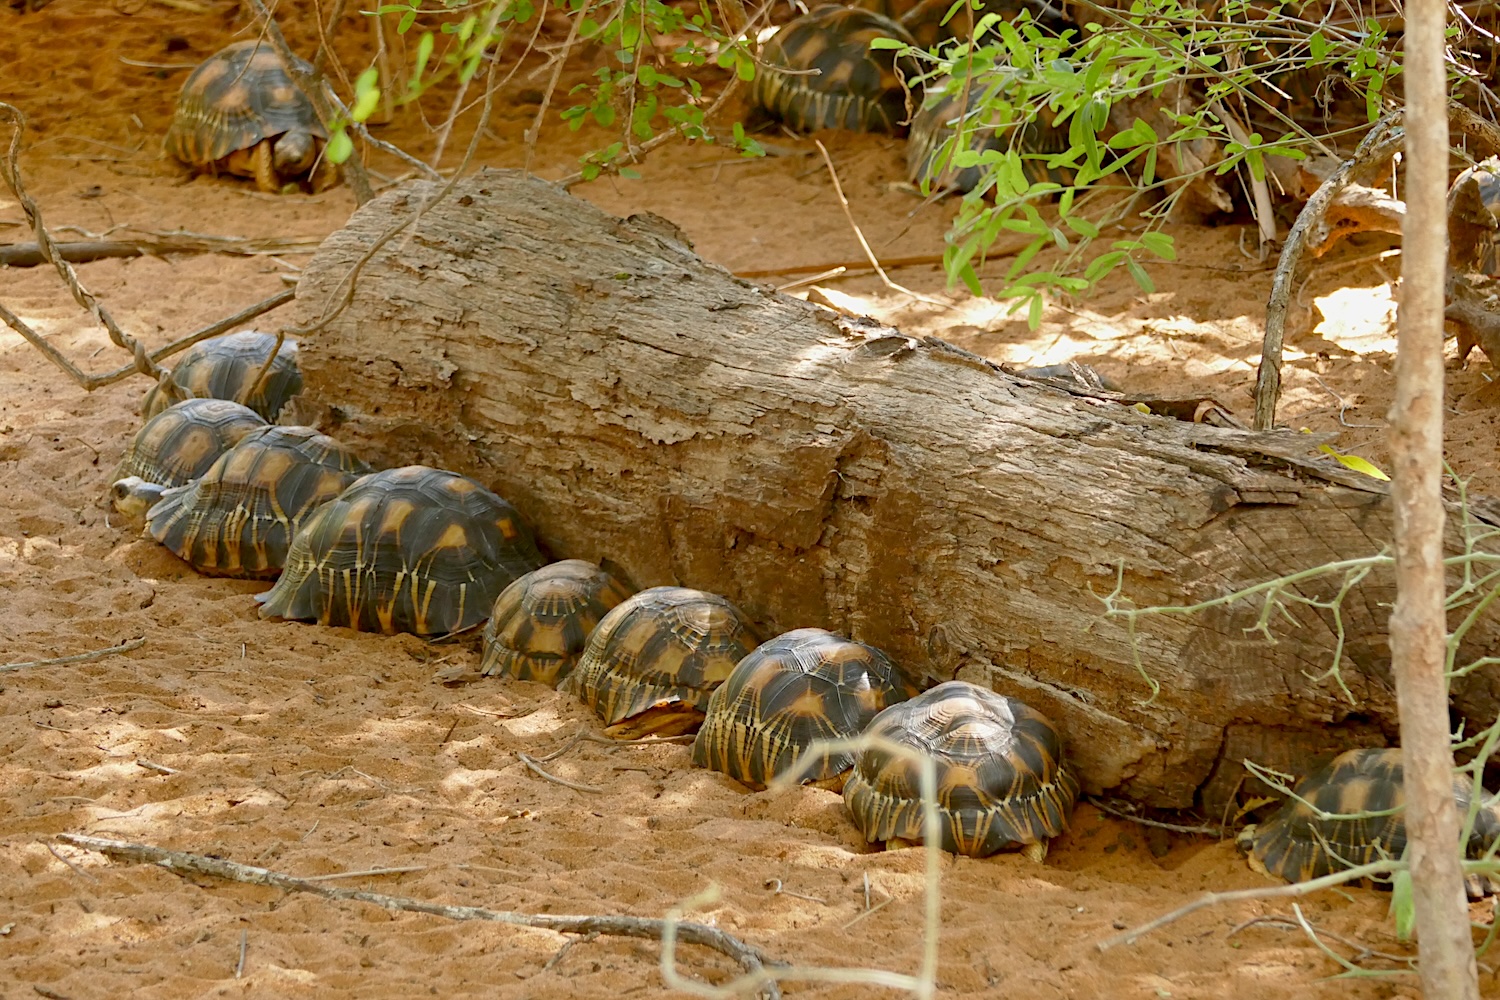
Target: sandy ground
[[318, 751]]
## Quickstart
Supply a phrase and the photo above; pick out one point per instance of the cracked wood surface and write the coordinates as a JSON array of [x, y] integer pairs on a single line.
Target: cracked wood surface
[[647, 409]]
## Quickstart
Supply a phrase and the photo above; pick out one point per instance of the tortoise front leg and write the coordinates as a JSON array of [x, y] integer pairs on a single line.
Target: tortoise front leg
[[325, 173], [264, 169]]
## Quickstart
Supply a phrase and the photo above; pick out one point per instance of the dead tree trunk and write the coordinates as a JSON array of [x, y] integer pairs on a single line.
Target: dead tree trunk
[[646, 408]]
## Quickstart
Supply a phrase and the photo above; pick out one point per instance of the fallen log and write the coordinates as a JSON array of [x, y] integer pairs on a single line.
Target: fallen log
[[647, 409]]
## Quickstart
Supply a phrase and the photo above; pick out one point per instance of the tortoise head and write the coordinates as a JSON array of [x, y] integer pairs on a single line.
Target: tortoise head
[[133, 496], [294, 153]]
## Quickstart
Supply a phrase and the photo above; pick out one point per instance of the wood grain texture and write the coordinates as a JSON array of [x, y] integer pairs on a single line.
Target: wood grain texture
[[648, 409]]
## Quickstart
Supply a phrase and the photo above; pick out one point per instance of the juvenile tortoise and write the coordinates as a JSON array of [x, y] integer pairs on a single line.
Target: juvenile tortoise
[[855, 87], [541, 622], [240, 113], [413, 549], [180, 443], [238, 518], [799, 688], [227, 367], [1001, 781], [1296, 845], [655, 659]]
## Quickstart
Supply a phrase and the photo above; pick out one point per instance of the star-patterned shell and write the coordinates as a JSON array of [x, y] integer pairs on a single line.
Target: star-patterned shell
[[1297, 845], [180, 443], [1001, 781], [799, 688], [228, 367], [239, 517], [855, 87], [665, 648], [412, 549], [541, 622]]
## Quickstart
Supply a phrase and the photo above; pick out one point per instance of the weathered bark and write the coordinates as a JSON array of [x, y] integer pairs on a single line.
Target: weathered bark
[[648, 409]]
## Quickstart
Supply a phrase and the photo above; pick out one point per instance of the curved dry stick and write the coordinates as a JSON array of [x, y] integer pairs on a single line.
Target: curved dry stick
[[1383, 141], [748, 957]]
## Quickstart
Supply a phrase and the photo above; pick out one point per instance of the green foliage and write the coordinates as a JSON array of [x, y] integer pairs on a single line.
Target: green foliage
[[644, 87], [1102, 94]]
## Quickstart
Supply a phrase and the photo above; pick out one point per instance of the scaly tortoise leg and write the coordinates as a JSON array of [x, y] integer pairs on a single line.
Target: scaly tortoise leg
[[265, 170]]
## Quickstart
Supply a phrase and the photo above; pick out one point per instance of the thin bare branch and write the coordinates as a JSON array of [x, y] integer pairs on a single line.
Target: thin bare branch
[[58, 661]]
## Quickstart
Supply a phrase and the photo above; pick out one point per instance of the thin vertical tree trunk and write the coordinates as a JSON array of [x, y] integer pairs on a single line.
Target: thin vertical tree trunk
[[1418, 622]]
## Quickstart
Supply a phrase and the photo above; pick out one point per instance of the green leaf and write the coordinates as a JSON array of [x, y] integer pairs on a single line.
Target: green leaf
[[366, 94], [630, 173], [1034, 312], [424, 53], [1160, 244], [407, 20], [1361, 465], [1139, 274], [340, 146]]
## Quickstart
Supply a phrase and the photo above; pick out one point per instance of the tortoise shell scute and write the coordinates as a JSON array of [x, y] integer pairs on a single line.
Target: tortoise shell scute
[[802, 687], [413, 549], [1001, 781], [542, 621]]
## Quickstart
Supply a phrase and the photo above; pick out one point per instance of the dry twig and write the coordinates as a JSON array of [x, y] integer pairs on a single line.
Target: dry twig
[[58, 661], [838, 189], [1383, 142], [748, 957]]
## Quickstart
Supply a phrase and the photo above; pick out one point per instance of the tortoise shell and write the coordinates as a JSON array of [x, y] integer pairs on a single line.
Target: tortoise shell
[[239, 517], [663, 650], [1001, 781], [856, 87], [800, 687], [227, 368], [542, 621], [412, 549], [1295, 844], [929, 152], [240, 113], [182, 441]]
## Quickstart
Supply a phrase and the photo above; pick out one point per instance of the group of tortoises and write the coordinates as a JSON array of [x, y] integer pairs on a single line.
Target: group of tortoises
[[432, 552]]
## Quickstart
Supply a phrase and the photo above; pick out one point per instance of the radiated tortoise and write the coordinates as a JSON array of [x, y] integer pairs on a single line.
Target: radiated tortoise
[[799, 688], [1001, 780], [1361, 795], [229, 367], [836, 80], [180, 443], [541, 622], [238, 518], [654, 660], [412, 549], [240, 113]]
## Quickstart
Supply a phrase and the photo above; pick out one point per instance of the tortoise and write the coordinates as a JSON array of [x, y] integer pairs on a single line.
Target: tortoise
[[180, 443], [1001, 781], [653, 662], [1296, 845], [929, 153], [238, 518], [413, 549], [227, 367], [856, 87], [240, 113], [541, 622], [798, 688]]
